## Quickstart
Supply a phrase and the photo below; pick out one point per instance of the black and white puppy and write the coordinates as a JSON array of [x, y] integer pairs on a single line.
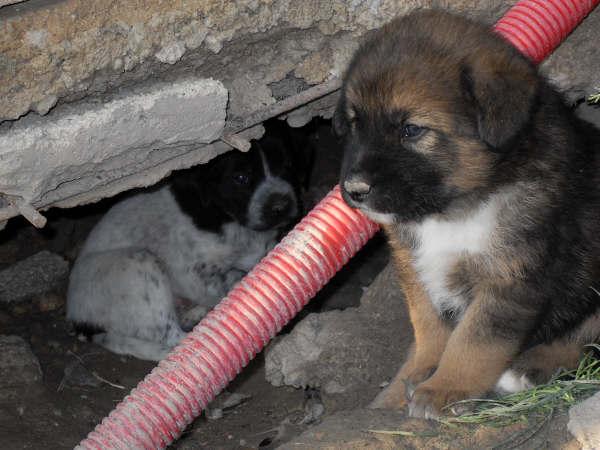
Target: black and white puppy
[[187, 242]]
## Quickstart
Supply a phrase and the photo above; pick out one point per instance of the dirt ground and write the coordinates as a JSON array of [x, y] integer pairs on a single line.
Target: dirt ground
[[81, 382]]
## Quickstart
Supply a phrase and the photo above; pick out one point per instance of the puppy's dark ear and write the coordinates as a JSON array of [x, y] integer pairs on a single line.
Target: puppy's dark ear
[[502, 88], [195, 192], [340, 121], [196, 183]]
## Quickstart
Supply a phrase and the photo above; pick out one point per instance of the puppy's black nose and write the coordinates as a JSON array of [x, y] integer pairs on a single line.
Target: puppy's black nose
[[281, 204], [278, 207], [357, 188]]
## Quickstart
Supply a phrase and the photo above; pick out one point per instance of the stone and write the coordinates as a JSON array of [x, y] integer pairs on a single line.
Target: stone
[[18, 364], [82, 147], [346, 351], [33, 276], [77, 374], [584, 422]]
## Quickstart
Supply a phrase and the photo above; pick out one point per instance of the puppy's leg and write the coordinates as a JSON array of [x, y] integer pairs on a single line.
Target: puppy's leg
[[126, 293], [539, 363], [479, 350], [431, 335]]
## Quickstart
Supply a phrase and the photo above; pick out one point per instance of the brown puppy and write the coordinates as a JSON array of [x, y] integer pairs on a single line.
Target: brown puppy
[[489, 191]]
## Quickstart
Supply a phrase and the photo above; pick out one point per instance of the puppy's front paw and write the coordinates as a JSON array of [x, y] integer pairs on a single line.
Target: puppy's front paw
[[401, 388], [427, 401], [392, 397]]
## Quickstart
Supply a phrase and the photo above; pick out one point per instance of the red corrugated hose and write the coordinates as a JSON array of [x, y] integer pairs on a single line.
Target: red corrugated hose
[[157, 411]]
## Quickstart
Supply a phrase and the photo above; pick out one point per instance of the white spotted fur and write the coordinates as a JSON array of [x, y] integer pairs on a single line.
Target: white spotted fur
[[142, 257]]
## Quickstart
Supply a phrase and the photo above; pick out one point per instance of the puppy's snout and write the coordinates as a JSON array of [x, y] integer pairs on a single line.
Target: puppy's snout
[[279, 209], [281, 204], [357, 188]]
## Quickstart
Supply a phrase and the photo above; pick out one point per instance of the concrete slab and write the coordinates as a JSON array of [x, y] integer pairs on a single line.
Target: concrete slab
[[84, 147]]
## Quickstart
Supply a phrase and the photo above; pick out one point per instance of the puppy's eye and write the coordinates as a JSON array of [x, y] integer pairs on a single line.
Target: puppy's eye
[[410, 130], [241, 178]]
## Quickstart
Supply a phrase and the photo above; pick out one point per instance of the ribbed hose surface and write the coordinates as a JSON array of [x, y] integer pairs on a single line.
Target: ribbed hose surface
[[178, 389], [156, 412], [537, 27]]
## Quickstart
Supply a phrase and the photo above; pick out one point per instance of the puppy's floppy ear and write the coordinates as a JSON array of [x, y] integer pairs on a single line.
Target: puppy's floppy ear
[[502, 87], [197, 183], [195, 192], [340, 121]]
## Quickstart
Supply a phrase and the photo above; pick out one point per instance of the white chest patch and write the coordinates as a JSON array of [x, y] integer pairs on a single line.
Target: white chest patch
[[442, 242]]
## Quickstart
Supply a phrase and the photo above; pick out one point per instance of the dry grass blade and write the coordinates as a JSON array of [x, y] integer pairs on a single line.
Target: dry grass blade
[[404, 433]]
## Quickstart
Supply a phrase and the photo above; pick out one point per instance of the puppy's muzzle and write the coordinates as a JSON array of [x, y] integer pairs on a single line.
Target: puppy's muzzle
[[357, 189]]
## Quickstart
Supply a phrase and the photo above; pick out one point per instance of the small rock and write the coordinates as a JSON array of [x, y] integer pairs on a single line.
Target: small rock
[[36, 275], [313, 407], [347, 351], [213, 413], [18, 365], [584, 422], [234, 399], [224, 402], [76, 374]]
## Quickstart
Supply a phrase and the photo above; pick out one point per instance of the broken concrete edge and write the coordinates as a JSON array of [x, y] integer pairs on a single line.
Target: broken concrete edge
[[240, 130], [10, 2], [81, 146]]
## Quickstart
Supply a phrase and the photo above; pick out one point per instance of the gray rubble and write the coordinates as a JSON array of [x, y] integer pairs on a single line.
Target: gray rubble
[[33, 276], [584, 422], [345, 351], [18, 365], [81, 148]]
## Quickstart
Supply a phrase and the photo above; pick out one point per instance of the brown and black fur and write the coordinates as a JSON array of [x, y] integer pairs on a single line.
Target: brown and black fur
[[440, 116]]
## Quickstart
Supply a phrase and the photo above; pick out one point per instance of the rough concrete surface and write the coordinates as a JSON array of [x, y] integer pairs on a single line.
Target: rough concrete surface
[[52, 50], [18, 365], [584, 422], [75, 52], [342, 352], [33, 276], [78, 148]]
